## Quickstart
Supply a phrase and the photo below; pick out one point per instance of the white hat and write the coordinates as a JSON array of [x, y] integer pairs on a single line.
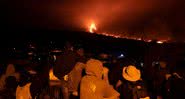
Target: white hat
[[131, 73]]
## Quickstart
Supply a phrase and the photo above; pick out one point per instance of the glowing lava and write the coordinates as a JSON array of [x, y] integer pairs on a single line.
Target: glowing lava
[[92, 27], [125, 35]]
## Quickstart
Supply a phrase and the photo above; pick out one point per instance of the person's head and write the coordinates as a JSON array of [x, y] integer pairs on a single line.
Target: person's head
[[162, 64], [10, 82], [10, 69], [24, 78], [68, 46], [80, 51], [131, 73], [94, 67], [114, 60]]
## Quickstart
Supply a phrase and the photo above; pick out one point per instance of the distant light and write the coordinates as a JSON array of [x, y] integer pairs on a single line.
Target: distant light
[[56, 51], [139, 39], [148, 40], [160, 42], [121, 56], [142, 64], [104, 55], [54, 57], [30, 53], [155, 63]]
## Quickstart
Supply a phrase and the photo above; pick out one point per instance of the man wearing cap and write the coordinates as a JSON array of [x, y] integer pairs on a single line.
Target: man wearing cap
[[131, 85]]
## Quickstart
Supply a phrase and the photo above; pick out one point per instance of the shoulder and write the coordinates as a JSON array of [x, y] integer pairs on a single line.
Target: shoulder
[[87, 80]]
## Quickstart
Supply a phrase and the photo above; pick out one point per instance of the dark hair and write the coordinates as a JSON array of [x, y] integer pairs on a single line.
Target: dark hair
[[10, 82], [127, 61], [24, 78], [68, 45]]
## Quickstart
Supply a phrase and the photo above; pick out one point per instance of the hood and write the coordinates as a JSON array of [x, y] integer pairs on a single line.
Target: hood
[[94, 68], [10, 69]]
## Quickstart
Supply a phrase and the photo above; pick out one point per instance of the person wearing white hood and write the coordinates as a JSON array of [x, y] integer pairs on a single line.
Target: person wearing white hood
[[93, 86]]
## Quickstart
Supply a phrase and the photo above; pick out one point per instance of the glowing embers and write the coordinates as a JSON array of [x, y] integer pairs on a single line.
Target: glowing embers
[[92, 27]]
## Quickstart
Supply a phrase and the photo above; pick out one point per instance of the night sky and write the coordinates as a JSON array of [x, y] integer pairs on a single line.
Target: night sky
[[150, 18]]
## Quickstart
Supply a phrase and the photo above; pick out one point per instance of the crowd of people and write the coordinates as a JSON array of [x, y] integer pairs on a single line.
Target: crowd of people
[[81, 77]]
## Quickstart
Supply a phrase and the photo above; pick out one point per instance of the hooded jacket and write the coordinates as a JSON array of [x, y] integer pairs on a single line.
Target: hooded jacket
[[93, 86], [10, 71]]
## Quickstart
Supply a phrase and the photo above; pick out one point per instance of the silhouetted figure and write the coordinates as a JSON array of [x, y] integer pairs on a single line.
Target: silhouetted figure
[[64, 64], [131, 86]]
